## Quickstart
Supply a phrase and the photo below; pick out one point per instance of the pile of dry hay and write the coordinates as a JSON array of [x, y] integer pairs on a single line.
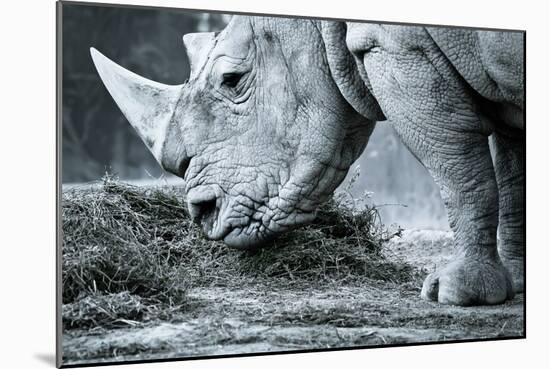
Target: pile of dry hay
[[128, 250]]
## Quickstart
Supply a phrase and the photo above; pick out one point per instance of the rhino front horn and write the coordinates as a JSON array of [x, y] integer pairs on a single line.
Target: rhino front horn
[[147, 105]]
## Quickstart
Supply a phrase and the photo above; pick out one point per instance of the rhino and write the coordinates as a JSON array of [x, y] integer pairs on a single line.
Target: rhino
[[276, 110]]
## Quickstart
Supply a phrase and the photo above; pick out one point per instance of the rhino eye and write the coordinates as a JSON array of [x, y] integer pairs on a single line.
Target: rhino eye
[[231, 79]]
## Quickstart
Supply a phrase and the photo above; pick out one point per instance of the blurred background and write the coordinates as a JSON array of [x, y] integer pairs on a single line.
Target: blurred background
[[97, 139]]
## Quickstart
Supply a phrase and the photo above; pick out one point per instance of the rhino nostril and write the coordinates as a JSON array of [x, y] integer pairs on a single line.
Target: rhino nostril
[[183, 167], [204, 212]]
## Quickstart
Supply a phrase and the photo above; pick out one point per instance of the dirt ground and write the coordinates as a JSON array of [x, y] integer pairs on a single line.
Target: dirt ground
[[273, 316]]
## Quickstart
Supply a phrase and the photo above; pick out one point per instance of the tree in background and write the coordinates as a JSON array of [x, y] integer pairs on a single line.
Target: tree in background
[[96, 136]]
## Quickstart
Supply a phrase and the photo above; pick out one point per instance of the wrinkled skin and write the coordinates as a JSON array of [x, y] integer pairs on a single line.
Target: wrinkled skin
[[276, 110], [263, 151]]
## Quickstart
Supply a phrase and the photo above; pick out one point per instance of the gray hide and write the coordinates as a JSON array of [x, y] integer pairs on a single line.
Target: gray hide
[[276, 111]]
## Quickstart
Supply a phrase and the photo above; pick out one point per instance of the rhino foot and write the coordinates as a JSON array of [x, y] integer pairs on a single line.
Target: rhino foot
[[516, 268], [468, 281]]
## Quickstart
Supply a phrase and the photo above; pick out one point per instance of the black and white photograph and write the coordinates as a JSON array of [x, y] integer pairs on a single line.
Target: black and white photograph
[[242, 184]]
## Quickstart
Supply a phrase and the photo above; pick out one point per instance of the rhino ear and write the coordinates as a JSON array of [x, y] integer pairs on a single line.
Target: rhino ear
[[198, 45], [348, 74]]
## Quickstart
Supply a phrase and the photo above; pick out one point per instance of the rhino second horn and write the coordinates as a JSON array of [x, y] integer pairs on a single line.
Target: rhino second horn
[[148, 105], [198, 46]]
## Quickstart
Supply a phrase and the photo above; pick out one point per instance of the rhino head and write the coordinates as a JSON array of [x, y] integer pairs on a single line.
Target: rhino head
[[264, 130]]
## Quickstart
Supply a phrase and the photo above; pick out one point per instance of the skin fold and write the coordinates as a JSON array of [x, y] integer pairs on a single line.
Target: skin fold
[[276, 110]]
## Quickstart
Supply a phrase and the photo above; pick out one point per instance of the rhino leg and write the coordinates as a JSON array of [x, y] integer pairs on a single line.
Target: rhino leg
[[461, 165], [437, 117], [510, 174], [469, 190]]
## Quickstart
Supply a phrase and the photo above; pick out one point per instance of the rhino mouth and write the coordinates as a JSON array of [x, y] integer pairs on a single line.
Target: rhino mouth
[[238, 223], [215, 228], [238, 238]]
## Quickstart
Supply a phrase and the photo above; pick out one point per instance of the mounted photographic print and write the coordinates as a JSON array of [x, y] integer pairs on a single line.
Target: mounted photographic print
[[244, 184]]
